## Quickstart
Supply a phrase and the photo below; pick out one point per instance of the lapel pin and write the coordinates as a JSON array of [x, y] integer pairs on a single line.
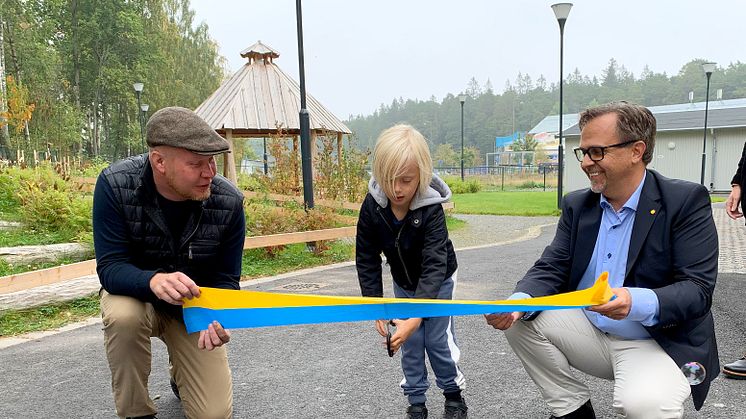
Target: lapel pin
[[652, 212]]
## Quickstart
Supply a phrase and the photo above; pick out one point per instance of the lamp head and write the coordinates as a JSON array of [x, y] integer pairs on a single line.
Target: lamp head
[[561, 10], [138, 87], [708, 68], [462, 98], [144, 107]]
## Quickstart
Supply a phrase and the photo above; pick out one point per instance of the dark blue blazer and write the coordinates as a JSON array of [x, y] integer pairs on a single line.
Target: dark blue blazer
[[673, 251]]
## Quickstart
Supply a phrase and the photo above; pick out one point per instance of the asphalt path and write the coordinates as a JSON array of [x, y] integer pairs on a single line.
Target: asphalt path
[[342, 370]]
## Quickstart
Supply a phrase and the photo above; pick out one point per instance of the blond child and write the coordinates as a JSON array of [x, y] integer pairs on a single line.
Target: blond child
[[402, 217]]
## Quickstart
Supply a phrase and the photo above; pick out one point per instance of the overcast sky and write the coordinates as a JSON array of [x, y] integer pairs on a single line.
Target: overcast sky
[[359, 54]]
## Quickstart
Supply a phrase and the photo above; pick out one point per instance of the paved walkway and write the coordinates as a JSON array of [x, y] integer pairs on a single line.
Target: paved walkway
[[480, 230], [341, 370], [732, 235]]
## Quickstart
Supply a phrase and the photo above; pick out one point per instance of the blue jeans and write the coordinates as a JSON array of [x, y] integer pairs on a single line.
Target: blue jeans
[[436, 337]]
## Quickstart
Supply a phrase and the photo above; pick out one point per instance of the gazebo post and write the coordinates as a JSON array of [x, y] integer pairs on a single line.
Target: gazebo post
[[339, 148], [296, 153], [229, 162]]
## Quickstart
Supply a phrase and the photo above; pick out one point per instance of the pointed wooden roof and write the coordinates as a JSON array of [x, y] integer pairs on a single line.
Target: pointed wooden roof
[[260, 97]]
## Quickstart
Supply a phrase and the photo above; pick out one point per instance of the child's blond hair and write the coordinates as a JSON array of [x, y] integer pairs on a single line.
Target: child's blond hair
[[395, 147]]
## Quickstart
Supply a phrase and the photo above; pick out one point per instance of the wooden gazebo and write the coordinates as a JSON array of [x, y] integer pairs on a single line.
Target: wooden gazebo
[[260, 98]]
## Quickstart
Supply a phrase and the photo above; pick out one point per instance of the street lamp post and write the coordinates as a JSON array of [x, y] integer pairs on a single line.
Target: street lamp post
[[561, 11], [708, 69], [138, 91], [305, 124], [462, 99], [144, 118]]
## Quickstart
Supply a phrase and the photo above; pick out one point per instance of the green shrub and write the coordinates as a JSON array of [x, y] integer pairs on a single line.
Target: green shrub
[[45, 202], [13, 179], [264, 219], [9, 183], [467, 186], [530, 184], [254, 182], [50, 209], [91, 168]]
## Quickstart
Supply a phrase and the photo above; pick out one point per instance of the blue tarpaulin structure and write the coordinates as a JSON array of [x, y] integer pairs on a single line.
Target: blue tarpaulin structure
[[508, 139]]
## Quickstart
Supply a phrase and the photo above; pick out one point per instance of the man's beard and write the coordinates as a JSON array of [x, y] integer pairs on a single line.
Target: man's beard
[[186, 193]]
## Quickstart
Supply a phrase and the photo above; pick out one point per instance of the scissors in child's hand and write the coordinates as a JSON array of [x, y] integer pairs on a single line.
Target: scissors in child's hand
[[388, 337]]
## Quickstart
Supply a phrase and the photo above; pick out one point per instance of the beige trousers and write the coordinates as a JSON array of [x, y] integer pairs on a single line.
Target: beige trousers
[[203, 377], [647, 382]]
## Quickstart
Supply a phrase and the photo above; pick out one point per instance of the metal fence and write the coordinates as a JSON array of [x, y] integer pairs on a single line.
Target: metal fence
[[543, 176]]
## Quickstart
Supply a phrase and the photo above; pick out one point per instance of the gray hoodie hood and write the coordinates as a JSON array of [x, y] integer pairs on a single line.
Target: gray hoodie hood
[[437, 193]]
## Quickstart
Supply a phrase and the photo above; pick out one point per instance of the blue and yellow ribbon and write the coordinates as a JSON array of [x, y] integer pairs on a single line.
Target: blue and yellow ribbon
[[235, 309]]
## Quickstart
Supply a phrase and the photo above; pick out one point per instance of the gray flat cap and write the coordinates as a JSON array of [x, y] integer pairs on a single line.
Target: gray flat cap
[[180, 127]]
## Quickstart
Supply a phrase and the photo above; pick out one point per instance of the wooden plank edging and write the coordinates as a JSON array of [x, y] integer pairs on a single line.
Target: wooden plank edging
[[299, 237], [26, 280]]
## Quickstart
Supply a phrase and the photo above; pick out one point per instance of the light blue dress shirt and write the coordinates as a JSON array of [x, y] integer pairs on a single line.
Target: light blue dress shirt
[[610, 254]]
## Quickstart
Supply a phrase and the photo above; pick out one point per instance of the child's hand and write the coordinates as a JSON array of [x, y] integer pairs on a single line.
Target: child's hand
[[381, 327], [404, 329]]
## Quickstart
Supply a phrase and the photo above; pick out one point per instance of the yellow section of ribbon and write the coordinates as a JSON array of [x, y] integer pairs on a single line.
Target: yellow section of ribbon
[[214, 298]]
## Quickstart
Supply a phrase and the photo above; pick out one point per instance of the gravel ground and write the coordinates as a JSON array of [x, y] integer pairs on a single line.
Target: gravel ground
[[482, 230]]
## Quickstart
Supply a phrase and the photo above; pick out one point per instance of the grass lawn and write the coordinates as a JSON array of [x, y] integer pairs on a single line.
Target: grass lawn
[[50, 316], [453, 223], [507, 203], [22, 237], [514, 203], [256, 262]]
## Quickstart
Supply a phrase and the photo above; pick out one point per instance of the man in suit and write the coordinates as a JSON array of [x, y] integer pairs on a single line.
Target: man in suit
[[657, 239], [737, 368]]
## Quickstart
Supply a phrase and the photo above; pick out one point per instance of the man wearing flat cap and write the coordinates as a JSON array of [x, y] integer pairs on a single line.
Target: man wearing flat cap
[[164, 224]]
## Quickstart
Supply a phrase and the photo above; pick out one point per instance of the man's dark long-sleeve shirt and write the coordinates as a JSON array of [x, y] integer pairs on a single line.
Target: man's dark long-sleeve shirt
[[133, 241]]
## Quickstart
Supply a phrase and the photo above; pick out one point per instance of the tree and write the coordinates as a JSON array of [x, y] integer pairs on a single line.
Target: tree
[[445, 155], [610, 77], [472, 157], [19, 109], [527, 143], [4, 134], [473, 90]]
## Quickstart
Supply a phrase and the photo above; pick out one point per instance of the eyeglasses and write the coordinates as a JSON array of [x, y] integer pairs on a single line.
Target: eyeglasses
[[597, 153]]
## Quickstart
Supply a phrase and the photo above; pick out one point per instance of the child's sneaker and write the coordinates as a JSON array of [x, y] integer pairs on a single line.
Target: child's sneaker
[[417, 411], [455, 409]]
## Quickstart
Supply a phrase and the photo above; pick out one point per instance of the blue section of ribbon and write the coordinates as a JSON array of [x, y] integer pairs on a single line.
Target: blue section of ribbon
[[197, 318]]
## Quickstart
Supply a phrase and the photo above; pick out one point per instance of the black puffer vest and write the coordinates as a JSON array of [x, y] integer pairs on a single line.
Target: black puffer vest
[[150, 243]]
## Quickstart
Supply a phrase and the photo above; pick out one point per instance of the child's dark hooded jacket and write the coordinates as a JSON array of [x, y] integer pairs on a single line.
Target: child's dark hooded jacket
[[417, 249]]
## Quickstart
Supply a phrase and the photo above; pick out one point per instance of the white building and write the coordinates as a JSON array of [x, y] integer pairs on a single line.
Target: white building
[[679, 141]]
